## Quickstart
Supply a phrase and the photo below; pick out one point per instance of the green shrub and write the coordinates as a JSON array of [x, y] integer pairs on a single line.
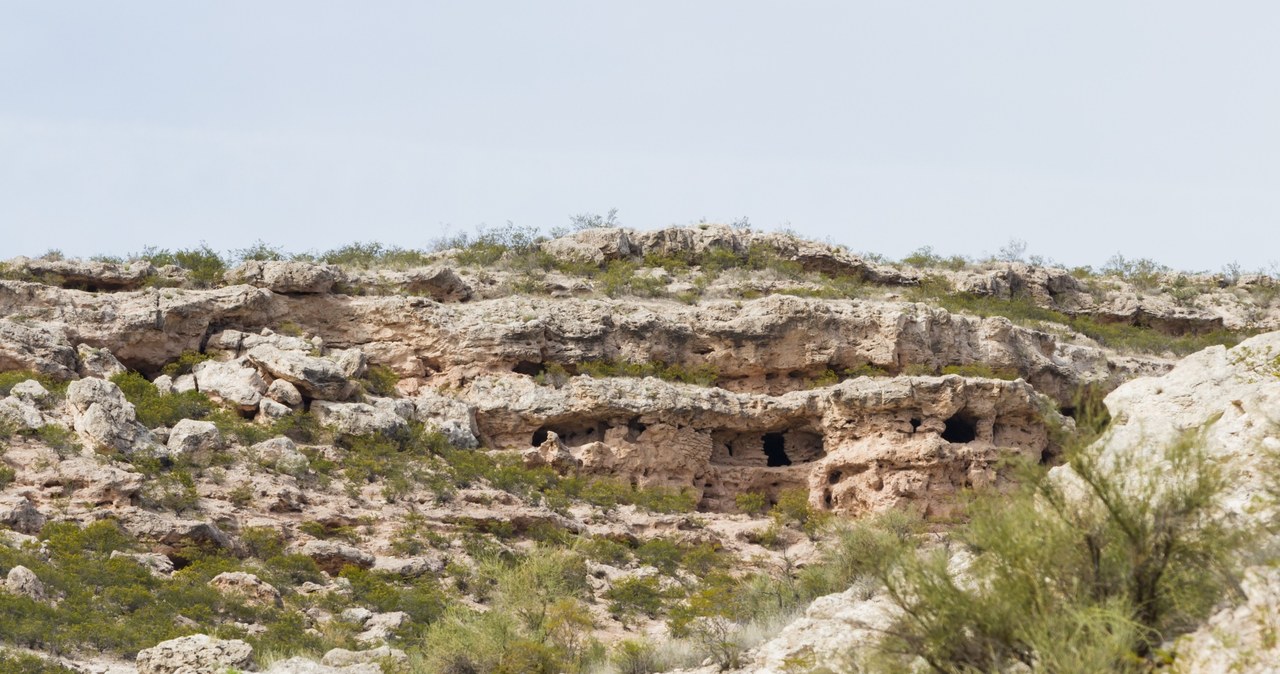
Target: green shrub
[[1091, 581], [7, 475], [380, 380], [204, 266], [752, 502], [154, 409], [184, 363], [16, 663], [635, 596], [61, 439], [263, 542], [11, 378], [792, 508]]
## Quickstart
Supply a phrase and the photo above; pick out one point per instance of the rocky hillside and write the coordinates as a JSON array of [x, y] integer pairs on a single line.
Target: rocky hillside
[[521, 454]]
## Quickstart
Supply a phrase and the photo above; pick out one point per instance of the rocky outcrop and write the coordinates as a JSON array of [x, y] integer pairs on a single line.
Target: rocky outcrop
[[332, 555], [863, 445], [320, 378], [1239, 639], [287, 277], [189, 437], [40, 348], [196, 654], [24, 583], [103, 417], [231, 381], [83, 274], [247, 586]]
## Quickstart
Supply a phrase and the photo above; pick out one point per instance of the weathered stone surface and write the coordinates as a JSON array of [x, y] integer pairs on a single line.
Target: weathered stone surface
[[231, 381], [253, 589], [281, 454], [41, 348], [341, 657], [270, 410], [31, 391], [19, 413], [24, 583], [319, 378], [157, 564], [103, 417], [20, 514], [85, 274], [97, 362], [448, 415], [189, 436], [284, 393], [1239, 639], [441, 284], [196, 654], [300, 665], [331, 556], [595, 246], [357, 418], [381, 626], [411, 567], [287, 277]]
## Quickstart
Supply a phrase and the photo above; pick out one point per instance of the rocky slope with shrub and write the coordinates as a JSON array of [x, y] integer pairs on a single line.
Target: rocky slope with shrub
[[517, 454]]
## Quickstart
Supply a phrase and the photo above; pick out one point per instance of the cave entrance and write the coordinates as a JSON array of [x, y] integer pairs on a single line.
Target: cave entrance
[[959, 429], [775, 450]]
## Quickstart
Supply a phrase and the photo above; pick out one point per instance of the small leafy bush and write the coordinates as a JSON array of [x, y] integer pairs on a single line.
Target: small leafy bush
[[155, 409]]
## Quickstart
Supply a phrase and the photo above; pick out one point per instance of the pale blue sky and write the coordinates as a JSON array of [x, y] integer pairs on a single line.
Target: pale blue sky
[[1085, 128]]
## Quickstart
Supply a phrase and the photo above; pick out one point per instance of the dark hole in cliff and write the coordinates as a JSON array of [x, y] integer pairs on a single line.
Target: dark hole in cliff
[[834, 477], [1047, 457], [530, 368], [915, 423], [634, 428], [571, 433], [826, 498], [775, 450], [959, 429], [1069, 412], [783, 447]]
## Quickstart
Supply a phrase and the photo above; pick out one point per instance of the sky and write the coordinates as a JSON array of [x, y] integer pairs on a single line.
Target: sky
[[1086, 129]]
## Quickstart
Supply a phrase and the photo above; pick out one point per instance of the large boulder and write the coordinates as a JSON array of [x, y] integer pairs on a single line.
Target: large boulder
[[85, 274], [98, 363], [441, 284], [28, 345], [594, 246], [24, 583], [331, 556], [252, 589], [287, 277], [317, 377], [190, 436], [104, 418], [450, 416], [196, 654], [20, 413], [357, 418], [230, 381]]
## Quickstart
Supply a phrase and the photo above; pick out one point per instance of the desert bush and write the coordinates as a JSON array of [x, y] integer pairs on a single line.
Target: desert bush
[[21, 663], [11, 378], [372, 255], [635, 596], [205, 267], [701, 375], [184, 363], [1091, 576], [155, 409], [752, 502], [7, 474], [792, 509], [380, 380]]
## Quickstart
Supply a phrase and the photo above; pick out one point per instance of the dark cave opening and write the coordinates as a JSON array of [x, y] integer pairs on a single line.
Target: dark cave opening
[[539, 436], [775, 450], [959, 429]]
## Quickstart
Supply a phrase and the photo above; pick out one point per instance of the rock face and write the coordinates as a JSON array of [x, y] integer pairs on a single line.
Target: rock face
[[287, 277], [864, 445], [24, 583], [189, 436], [253, 589], [104, 418], [196, 654], [319, 378]]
